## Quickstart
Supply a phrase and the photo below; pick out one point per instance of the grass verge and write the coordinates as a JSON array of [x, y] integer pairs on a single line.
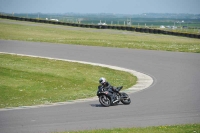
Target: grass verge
[[29, 31], [189, 128], [28, 81]]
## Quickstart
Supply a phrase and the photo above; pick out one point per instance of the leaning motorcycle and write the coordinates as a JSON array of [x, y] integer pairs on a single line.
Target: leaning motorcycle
[[105, 99]]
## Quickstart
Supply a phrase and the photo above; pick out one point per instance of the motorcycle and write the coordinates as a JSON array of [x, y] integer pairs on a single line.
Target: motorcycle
[[105, 99]]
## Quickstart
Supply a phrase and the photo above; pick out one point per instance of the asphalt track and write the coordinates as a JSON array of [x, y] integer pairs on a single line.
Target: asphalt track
[[173, 98]]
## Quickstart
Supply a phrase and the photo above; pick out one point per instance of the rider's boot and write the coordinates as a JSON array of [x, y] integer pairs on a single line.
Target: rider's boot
[[115, 100]]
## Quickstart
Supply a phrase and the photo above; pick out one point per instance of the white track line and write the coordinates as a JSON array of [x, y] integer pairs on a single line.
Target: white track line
[[143, 82]]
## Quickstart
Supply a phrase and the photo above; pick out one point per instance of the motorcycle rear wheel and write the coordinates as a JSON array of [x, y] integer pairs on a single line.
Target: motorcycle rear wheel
[[104, 100], [126, 100]]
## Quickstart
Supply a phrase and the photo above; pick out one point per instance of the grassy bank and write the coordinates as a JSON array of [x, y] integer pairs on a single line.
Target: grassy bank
[[189, 128], [33, 81], [28, 31]]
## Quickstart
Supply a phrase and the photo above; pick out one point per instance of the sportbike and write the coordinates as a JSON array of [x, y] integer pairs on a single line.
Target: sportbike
[[105, 99]]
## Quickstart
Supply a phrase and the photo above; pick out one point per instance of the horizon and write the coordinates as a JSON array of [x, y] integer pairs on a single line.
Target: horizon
[[99, 13], [103, 6]]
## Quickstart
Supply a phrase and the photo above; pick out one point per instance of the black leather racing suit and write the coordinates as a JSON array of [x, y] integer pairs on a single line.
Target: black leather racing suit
[[107, 87]]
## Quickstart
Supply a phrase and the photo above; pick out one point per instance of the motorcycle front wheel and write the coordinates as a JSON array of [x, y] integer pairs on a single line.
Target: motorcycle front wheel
[[104, 100]]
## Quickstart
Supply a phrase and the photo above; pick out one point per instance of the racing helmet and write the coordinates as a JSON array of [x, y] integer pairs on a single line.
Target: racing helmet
[[102, 80]]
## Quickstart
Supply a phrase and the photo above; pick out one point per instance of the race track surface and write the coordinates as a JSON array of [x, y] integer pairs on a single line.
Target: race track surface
[[173, 98]]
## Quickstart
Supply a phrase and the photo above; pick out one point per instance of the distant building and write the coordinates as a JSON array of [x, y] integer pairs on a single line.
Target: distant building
[[174, 27], [54, 19], [171, 27], [185, 27], [102, 24], [162, 26]]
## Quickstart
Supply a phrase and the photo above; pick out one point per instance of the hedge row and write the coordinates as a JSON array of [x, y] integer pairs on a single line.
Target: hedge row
[[145, 30]]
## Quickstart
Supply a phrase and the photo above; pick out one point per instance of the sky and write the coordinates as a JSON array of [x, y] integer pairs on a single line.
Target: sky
[[100, 6]]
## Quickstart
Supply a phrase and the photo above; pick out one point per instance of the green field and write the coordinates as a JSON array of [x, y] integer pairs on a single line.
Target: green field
[[26, 81], [28, 31], [189, 128]]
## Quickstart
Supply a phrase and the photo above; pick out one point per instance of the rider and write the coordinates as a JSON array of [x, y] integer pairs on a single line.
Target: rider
[[107, 87]]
